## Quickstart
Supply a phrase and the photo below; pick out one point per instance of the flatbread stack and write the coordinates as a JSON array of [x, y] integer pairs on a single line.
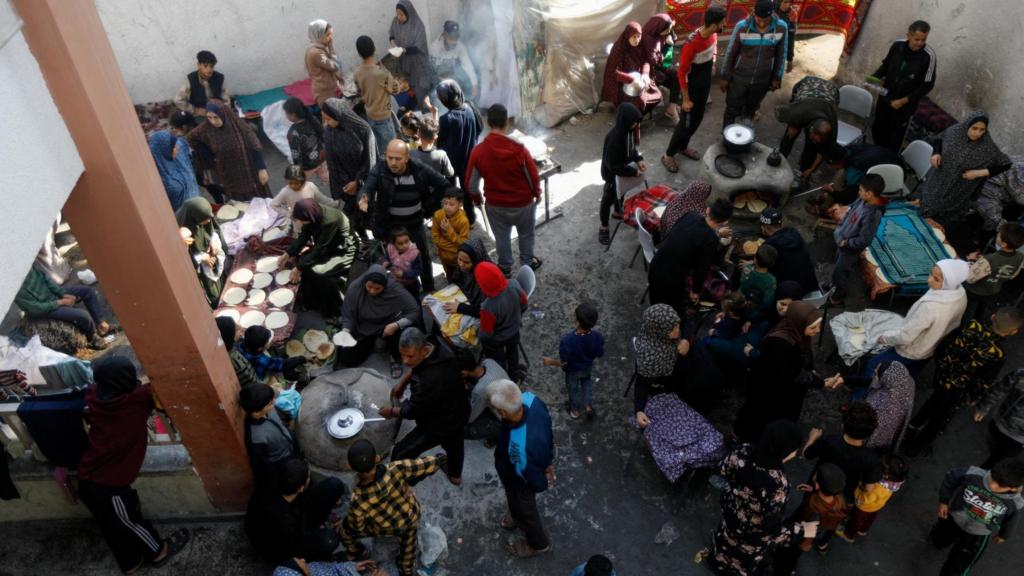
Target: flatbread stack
[[751, 201], [314, 345], [750, 247], [228, 212]]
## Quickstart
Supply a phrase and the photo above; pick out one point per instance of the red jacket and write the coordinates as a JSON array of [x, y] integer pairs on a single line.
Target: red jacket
[[117, 437], [509, 172]]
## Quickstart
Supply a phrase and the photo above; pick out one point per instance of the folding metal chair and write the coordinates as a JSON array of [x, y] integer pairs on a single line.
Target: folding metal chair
[[858, 102]]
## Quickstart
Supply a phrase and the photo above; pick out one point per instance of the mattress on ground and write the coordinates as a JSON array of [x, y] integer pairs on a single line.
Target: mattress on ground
[[260, 100], [905, 249]]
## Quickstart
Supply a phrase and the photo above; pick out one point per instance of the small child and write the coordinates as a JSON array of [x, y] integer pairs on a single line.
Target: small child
[[824, 503], [576, 354], [405, 98], [404, 261], [410, 123], [976, 506], [869, 502], [729, 323], [298, 188], [430, 156], [991, 271], [758, 285], [449, 230], [856, 231], [596, 565], [254, 348]]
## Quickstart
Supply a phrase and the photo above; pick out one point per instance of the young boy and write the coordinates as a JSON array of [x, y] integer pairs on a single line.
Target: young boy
[[856, 232], [991, 271], [967, 363], [202, 85], [976, 505], [376, 86], [449, 230], [427, 154], [267, 440], [758, 285], [860, 464], [501, 317], [383, 503], [824, 503], [869, 502], [576, 354], [1006, 431], [404, 96], [254, 348]]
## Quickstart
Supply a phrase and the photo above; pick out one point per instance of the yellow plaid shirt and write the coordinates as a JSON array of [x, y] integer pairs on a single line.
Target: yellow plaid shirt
[[388, 506]]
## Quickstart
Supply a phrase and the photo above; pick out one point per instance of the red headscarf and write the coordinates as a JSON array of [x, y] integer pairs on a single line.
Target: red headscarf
[[624, 57], [651, 43]]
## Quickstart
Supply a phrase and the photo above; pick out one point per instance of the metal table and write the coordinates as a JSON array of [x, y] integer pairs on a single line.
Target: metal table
[[547, 168]]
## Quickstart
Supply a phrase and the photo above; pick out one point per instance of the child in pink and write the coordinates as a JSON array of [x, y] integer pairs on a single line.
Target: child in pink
[[404, 261]]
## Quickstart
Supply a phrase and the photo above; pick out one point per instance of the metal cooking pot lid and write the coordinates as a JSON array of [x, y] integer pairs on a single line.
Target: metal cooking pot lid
[[345, 423], [730, 166], [738, 134]]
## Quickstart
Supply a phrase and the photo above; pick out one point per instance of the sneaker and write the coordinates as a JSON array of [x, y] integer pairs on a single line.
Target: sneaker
[[604, 236], [823, 548], [842, 534]]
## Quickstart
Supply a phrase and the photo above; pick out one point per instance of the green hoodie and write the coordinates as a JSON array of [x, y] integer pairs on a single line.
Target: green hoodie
[[38, 294]]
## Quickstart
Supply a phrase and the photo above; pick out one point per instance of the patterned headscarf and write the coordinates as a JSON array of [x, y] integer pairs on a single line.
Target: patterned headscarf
[[892, 396], [656, 350]]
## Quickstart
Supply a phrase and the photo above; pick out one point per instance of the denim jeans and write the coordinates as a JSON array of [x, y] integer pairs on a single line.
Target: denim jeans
[[502, 221], [383, 132], [85, 320], [577, 384]]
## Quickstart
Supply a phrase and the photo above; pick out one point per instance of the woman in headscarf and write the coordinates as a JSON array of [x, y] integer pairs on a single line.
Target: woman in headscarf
[[174, 164], [469, 255], [619, 158], [659, 345], [754, 503], [730, 353], [376, 306], [322, 61], [1001, 192], [408, 33], [625, 58], [324, 267], [351, 150], [306, 139], [658, 34], [237, 153], [458, 131], [964, 156], [207, 247], [890, 391], [778, 382], [929, 320], [693, 198], [230, 334]]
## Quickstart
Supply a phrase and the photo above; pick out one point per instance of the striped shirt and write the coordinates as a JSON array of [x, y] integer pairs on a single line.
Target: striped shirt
[[405, 202]]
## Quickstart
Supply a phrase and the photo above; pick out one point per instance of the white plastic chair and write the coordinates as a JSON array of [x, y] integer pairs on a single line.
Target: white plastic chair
[[856, 101], [894, 179], [918, 156], [646, 244], [527, 280]]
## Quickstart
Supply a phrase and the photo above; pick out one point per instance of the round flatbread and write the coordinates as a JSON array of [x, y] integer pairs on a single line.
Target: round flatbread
[[233, 296], [283, 277], [344, 339], [228, 212], [252, 318], [229, 313], [241, 276], [276, 319], [281, 297], [266, 264], [294, 348], [739, 203], [313, 339], [256, 297], [262, 280], [757, 205], [750, 247], [325, 351]]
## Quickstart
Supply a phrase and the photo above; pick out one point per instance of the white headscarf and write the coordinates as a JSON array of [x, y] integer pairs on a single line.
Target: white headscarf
[[317, 30], [954, 273]]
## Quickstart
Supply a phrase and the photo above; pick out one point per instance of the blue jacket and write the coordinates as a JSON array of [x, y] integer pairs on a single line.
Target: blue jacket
[[753, 57], [579, 351], [859, 225], [540, 448]]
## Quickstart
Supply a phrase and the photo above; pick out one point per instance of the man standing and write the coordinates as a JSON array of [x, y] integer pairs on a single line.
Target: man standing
[[511, 188], [401, 190], [117, 410], [794, 261], [755, 62], [524, 461], [907, 74], [696, 64], [438, 403]]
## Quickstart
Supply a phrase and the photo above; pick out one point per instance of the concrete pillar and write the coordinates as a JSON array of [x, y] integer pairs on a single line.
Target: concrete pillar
[[123, 222]]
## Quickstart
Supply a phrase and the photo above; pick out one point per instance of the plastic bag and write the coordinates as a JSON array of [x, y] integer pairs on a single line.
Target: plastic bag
[[432, 544], [857, 333], [29, 358]]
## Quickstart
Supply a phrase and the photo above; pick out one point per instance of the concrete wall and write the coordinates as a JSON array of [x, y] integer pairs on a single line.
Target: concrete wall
[[40, 163], [260, 44], [978, 43]]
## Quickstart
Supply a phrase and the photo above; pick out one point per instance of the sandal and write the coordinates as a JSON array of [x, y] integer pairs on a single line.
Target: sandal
[[176, 543], [669, 163], [590, 413], [604, 237], [574, 414], [535, 263], [507, 523], [520, 549], [691, 153]]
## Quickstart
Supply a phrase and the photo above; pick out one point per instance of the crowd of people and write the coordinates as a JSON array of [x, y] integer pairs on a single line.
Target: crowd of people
[[383, 166]]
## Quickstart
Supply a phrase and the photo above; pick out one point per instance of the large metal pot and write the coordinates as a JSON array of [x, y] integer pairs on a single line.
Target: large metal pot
[[737, 138]]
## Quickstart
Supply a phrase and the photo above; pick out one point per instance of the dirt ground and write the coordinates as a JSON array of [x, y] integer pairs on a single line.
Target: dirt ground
[[642, 522]]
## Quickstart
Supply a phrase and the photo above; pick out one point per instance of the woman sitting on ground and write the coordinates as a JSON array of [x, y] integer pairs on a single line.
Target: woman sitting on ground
[[39, 298], [236, 150], [376, 306], [206, 245], [470, 254], [323, 254], [659, 346]]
